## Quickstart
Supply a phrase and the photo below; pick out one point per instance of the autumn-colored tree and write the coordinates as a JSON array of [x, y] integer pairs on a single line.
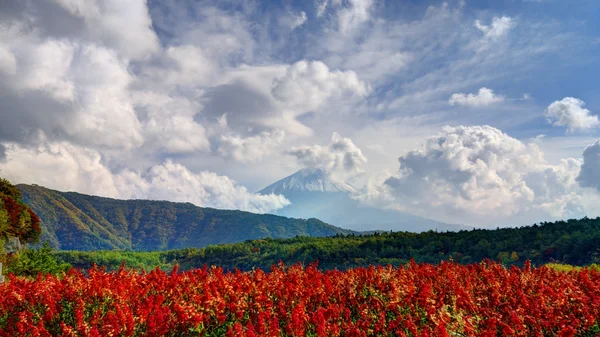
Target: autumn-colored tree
[[16, 218], [514, 256]]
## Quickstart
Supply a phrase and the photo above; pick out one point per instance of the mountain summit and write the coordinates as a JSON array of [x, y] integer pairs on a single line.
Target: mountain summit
[[308, 180], [314, 193]]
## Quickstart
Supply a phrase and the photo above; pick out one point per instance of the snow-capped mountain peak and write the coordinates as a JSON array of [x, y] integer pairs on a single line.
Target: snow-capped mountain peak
[[308, 180]]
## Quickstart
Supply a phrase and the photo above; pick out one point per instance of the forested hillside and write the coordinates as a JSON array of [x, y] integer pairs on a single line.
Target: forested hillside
[[574, 242], [74, 221]]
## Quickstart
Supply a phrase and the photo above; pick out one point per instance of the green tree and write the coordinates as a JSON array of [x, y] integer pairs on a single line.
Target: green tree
[[31, 262]]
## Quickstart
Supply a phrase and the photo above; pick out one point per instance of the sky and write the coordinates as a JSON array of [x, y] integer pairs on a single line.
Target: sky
[[476, 112]]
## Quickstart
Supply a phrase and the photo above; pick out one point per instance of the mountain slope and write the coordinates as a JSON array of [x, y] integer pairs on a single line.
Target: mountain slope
[[77, 221], [314, 193]]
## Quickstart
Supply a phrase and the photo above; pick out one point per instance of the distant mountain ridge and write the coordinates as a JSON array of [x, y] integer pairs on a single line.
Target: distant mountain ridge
[[74, 221], [314, 193]]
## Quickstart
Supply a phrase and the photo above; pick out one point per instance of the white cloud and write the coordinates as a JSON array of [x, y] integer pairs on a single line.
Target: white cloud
[[175, 182], [45, 67], [82, 89], [93, 77], [8, 62], [307, 85], [480, 174], [341, 154], [59, 165], [355, 14], [321, 7], [250, 149], [168, 123], [484, 97], [106, 115], [498, 28], [183, 66], [123, 25], [570, 112], [293, 20], [590, 169], [63, 166]]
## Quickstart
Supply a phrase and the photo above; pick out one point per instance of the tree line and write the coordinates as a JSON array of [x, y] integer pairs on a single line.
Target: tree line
[[574, 242]]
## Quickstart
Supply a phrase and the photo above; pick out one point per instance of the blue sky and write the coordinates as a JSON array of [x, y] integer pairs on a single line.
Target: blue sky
[[451, 110]]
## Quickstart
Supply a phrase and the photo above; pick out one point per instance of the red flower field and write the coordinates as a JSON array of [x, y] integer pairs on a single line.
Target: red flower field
[[449, 299]]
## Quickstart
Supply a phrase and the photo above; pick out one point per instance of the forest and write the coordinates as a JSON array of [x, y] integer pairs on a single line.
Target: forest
[[574, 242]]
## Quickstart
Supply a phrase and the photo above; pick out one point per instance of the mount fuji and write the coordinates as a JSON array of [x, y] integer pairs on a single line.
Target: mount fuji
[[315, 194]]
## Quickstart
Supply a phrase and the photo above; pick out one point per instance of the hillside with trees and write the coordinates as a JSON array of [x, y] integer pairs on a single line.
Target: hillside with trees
[[74, 221], [575, 242]]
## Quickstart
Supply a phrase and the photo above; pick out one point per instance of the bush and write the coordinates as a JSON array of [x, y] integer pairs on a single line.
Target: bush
[[31, 262]]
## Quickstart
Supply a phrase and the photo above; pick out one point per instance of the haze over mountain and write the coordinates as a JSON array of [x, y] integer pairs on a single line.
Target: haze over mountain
[[313, 192], [74, 221]]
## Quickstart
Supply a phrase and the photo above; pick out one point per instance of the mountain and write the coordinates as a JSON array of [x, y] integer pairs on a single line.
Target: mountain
[[74, 221], [308, 180], [314, 193]]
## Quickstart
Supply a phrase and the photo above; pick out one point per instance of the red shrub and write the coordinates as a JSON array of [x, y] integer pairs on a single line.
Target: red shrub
[[417, 300]]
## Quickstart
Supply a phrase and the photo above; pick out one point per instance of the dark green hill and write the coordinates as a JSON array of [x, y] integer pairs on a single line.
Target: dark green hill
[[74, 221]]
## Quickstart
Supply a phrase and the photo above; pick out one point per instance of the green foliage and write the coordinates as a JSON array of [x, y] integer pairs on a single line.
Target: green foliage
[[562, 267], [575, 242], [16, 218], [9, 189], [4, 222], [112, 259], [31, 262], [73, 221]]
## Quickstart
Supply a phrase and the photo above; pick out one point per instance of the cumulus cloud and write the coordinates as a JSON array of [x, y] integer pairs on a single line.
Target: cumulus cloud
[[82, 89], [105, 113], [482, 174], [570, 112], [341, 154], [78, 79], [172, 181], [274, 97], [250, 149], [498, 28], [45, 67], [122, 25], [63, 166], [305, 86], [590, 169], [169, 124], [181, 66], [484, 97], [125, 26]]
